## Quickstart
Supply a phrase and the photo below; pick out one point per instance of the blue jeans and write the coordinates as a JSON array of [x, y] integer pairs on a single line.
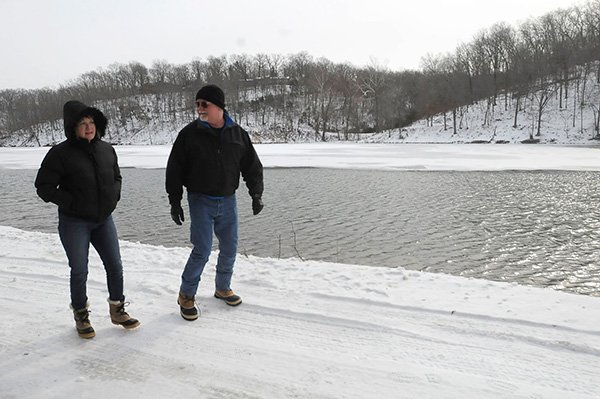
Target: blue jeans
[[76, 235], [208, 213]]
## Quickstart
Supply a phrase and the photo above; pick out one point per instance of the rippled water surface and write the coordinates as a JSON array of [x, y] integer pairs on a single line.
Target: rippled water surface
[[537, 228]]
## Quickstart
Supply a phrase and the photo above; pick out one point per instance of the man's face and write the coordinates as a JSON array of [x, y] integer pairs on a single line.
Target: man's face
[[209, 112]]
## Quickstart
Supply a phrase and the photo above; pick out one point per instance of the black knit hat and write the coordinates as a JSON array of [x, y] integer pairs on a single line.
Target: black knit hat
[[213, 94]]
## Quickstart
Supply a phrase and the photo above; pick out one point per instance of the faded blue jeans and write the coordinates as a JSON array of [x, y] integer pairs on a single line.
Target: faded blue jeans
[[207, 214], [76, 235]]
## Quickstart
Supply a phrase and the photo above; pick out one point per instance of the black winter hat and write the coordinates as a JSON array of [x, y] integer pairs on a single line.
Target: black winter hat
[[213, 94], [74, 110]]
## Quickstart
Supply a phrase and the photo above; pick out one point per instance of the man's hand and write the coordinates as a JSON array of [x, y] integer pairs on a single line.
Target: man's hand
[[177, 213], [257, 205]]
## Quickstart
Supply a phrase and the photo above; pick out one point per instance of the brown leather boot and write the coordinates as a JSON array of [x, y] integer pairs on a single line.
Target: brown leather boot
[[187, 307], [229, 297], [119, 316], [82, 323]]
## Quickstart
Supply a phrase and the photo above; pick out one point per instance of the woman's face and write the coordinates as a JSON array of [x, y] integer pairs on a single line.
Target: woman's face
[[85, 128]]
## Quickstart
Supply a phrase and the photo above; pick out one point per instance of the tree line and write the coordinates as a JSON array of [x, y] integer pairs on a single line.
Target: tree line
[[503, 65], [550, 55]]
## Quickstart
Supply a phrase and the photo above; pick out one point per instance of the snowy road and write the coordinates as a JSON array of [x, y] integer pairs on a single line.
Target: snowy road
[[305, 330]]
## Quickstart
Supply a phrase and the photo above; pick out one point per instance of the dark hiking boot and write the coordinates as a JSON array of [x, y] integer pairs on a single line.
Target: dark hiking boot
[[119, 316], [82, 323], [229, 297], [187, 307]]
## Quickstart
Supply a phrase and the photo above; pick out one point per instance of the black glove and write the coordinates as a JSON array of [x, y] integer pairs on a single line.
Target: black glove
[[177, 213], [257, 205]]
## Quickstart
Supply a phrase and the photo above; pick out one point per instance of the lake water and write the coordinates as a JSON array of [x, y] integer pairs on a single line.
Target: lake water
[[537, 228]]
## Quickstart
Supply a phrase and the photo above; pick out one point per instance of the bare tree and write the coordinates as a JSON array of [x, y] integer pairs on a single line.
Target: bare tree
[[160, 71], [216, 70], [372, 83], [198, 71]]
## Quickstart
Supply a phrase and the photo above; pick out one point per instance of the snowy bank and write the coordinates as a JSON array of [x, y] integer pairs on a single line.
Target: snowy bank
[[305, 330], [462, 157]]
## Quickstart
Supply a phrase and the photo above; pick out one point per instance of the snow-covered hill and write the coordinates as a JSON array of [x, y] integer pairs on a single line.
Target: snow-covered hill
[[558, 125], [156, 119]]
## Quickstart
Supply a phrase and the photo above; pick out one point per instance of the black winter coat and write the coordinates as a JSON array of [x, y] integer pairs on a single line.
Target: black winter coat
[[83, 178], [210, 163]]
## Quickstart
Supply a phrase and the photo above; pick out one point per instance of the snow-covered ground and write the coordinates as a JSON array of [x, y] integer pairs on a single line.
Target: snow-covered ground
[[570, 121], [558, 127], [306, 329], [346, 155]]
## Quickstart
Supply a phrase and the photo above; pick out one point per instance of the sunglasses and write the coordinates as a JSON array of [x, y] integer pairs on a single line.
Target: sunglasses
[[203, 104]]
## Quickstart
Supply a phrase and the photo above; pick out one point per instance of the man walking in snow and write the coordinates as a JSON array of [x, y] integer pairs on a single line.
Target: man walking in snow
[[207, 157]]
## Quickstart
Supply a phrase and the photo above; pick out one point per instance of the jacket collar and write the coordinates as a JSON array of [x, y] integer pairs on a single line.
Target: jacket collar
[[228, 122]]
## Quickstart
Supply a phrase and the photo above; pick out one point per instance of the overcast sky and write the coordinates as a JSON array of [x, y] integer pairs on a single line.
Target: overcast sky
[[48, 42]]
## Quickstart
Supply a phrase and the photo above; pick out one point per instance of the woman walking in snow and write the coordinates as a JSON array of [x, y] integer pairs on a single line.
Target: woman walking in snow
[[81, 175]]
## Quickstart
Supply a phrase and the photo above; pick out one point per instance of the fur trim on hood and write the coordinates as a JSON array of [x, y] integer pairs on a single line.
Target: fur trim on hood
[[74, 110]]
